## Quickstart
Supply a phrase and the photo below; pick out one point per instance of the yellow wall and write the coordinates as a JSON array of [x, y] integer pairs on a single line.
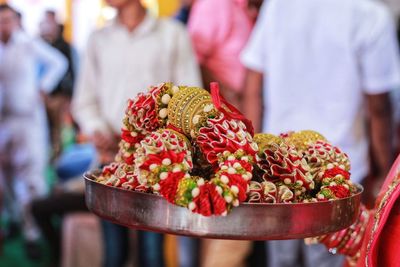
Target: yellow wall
[[162, 8], [68, 21], [168, 7]]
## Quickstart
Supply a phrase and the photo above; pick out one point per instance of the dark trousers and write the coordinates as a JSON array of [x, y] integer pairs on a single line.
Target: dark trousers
[[116, 246], [45, 210]]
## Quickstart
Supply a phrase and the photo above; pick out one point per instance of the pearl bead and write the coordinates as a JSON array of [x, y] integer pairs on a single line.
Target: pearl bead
[[200, 182], [166, 161], [196, 119], [237, 165], [224, 179], [235, 189], [231, 157], [153, 166], [287, 181], [218, 189], [192, 206], [176, 169], [195, 192], [228, 199], [231, 170], [165, 99], [156, 187], [208, 108], [175, 89], [163, 175], [163, 113]]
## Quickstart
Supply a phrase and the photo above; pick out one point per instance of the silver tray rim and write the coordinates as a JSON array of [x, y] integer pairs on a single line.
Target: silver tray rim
[[218, 227]]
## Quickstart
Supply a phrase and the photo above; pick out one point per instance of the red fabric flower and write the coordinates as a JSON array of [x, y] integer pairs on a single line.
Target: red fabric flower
[[169, 186], [202, 201], [224, 135], [142, 113], [129, 138], [282, 162], [331, 173], [110, 169], [158, 158], [340, 191], [218, 202]]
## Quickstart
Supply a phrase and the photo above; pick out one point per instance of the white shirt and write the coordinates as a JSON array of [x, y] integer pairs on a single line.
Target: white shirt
[[319, 59], [119, 64], [19, 73]]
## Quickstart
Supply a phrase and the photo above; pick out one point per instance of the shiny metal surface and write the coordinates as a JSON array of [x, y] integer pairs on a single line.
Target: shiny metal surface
[[246, 222]]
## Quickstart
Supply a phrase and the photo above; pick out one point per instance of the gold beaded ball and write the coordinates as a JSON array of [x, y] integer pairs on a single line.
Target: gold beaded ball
[[303, 139], [187, 104], [265, 140]]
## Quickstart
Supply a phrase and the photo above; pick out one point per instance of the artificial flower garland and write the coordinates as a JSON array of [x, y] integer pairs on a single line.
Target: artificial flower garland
[[197, 151]]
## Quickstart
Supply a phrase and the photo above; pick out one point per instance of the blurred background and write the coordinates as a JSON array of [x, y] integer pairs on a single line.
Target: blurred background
[[63, 67]]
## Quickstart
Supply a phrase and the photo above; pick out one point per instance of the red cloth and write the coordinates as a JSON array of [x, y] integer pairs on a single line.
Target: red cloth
[[381, 246], [389, 243]]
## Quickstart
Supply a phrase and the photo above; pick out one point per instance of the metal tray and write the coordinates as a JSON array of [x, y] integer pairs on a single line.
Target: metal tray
[[247, 222]]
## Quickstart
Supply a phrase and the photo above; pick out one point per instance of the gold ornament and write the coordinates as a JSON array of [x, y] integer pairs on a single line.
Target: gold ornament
[[303, 139], [265, 140], [185, 105]]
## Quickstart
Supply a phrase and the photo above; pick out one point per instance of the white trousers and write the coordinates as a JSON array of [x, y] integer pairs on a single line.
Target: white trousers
[[23, 159]]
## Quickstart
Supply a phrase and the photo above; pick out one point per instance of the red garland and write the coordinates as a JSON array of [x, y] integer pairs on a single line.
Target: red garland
[[340, 191], [110, 169], [214, 139], [127, 137], [219, 204], [158, 158], [331, 173], [129, 160], [169, 186], [202, 201], [143, 103]]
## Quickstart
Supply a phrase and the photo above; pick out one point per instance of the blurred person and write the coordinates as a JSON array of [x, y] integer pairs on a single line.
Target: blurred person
[[66, 197], [184, 11], [253, 8], [218, 41], [219, 30], [19, 18], [58, 101], [330, 68], [122, 59], [22, 120]]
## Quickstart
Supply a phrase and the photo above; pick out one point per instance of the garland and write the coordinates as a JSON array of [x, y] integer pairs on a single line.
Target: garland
[[164, 128]]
